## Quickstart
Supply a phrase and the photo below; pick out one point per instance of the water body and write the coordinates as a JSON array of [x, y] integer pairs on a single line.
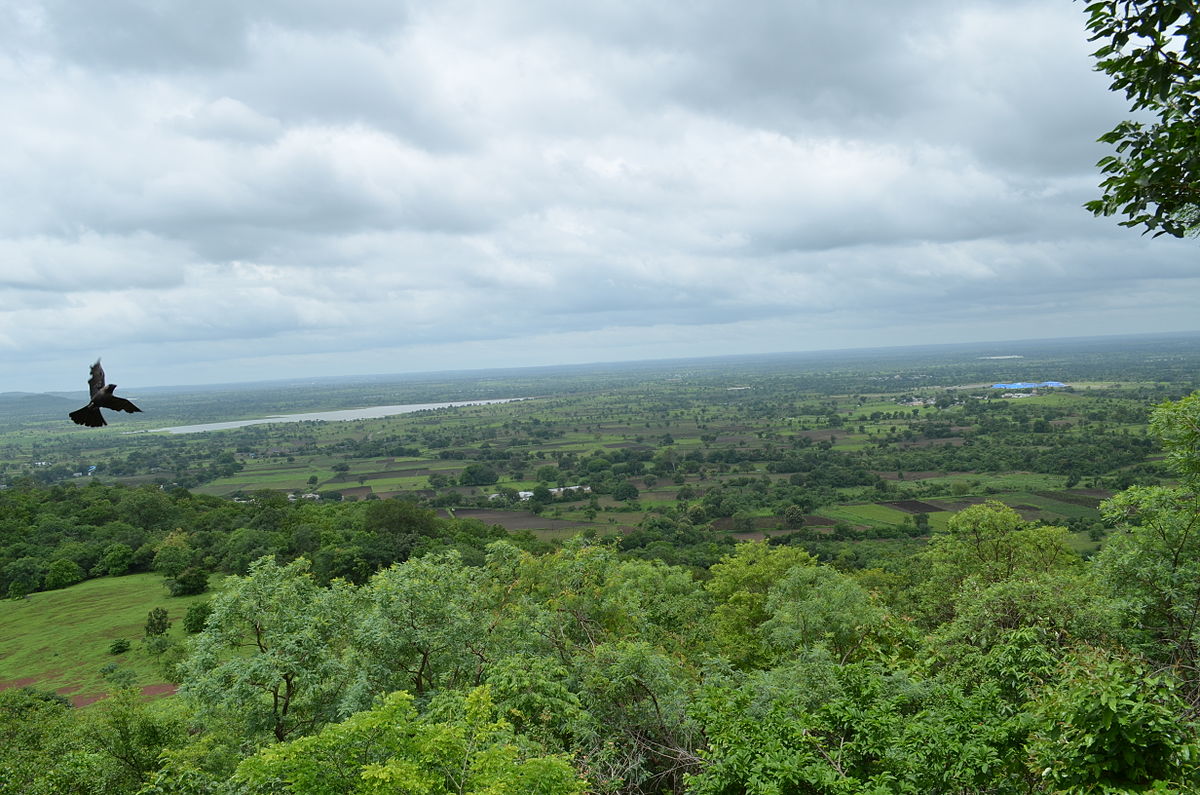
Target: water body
[[342, 415]]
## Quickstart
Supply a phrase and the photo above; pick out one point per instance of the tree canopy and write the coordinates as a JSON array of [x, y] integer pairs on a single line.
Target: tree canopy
[[1151, 50]]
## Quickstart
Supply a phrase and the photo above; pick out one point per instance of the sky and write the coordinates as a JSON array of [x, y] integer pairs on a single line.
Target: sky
[[241, 190]]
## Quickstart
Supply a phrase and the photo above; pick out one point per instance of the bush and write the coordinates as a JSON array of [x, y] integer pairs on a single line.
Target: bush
[[118, 646], [197, 613], [62, 573], [625, 491], [189, 582], [157, 622], [156, 644]]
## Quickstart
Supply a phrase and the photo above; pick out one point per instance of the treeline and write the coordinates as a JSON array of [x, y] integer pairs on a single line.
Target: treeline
[[53, 537]]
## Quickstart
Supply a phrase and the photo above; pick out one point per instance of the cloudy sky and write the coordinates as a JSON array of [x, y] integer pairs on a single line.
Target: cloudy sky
[[238, 190]]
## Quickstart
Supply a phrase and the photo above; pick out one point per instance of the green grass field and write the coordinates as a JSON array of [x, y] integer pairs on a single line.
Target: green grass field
[[59, 640], [865, 514]]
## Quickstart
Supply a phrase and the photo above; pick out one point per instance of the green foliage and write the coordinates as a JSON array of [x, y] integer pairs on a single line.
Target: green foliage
[[62, 573], [1015, 633], [596, 662], [1177, 425], [478, 475], [195, 617], [119, 646], [983, 545], [624, 491], [157, 623], [391, 749], [816, 606], [637, 700], [24, 576], [1151, 50], [272, 652], [190, 582], [116, 560], [421, 626], [129, 735], [1113, 725], [534, 694], [35, 729], [878, 734], [174, 555], [113, 747], [1152, 564], [740, 584]]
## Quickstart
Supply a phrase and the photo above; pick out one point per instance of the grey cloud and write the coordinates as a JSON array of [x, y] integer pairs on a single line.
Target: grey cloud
[[89, 263], [141, 36], [229, 119]]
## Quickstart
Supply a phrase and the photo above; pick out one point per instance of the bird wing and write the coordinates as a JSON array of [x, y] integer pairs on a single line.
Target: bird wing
[[96, 380], [119, 404]]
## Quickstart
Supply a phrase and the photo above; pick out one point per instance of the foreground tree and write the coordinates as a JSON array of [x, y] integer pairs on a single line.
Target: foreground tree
[[1111, 725], [464, 748], [272, 654], [423, 626], [1151, 563], [1151, 50], [984, 545]]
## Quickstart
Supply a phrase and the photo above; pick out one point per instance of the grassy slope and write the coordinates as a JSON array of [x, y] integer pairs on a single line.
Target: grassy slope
[[58, 640]]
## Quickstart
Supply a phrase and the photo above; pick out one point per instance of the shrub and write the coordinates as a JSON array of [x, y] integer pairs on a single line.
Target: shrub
[[197, 613], [189, 582], [157, 622]]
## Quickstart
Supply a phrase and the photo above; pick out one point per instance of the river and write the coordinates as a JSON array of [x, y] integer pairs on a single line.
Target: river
[[341, 415]]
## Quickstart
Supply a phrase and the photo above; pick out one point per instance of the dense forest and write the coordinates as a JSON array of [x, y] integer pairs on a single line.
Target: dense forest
[[375, 646]]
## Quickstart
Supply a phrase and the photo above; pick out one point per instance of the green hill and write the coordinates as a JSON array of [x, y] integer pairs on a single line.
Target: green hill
[[59, 640]]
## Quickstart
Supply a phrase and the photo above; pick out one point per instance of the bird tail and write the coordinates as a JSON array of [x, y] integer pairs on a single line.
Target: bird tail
[[89, 416]]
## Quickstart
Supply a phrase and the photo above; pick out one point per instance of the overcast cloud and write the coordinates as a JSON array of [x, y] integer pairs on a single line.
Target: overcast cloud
[[249, 189]]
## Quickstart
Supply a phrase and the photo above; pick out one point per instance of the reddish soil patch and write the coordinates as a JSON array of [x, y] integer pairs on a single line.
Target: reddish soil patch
[[516, 520], [148, 691], [1102, 493], [26, 682], [360, 492], [1025, 507], [634, 445], [959, 504], [913, 506], [392, 473], [812, 520]]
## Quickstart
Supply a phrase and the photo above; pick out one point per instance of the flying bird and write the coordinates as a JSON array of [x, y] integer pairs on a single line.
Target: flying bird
[[102, 397]]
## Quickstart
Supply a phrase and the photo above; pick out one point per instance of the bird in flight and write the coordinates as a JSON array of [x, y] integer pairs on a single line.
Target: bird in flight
[[102, 397]]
